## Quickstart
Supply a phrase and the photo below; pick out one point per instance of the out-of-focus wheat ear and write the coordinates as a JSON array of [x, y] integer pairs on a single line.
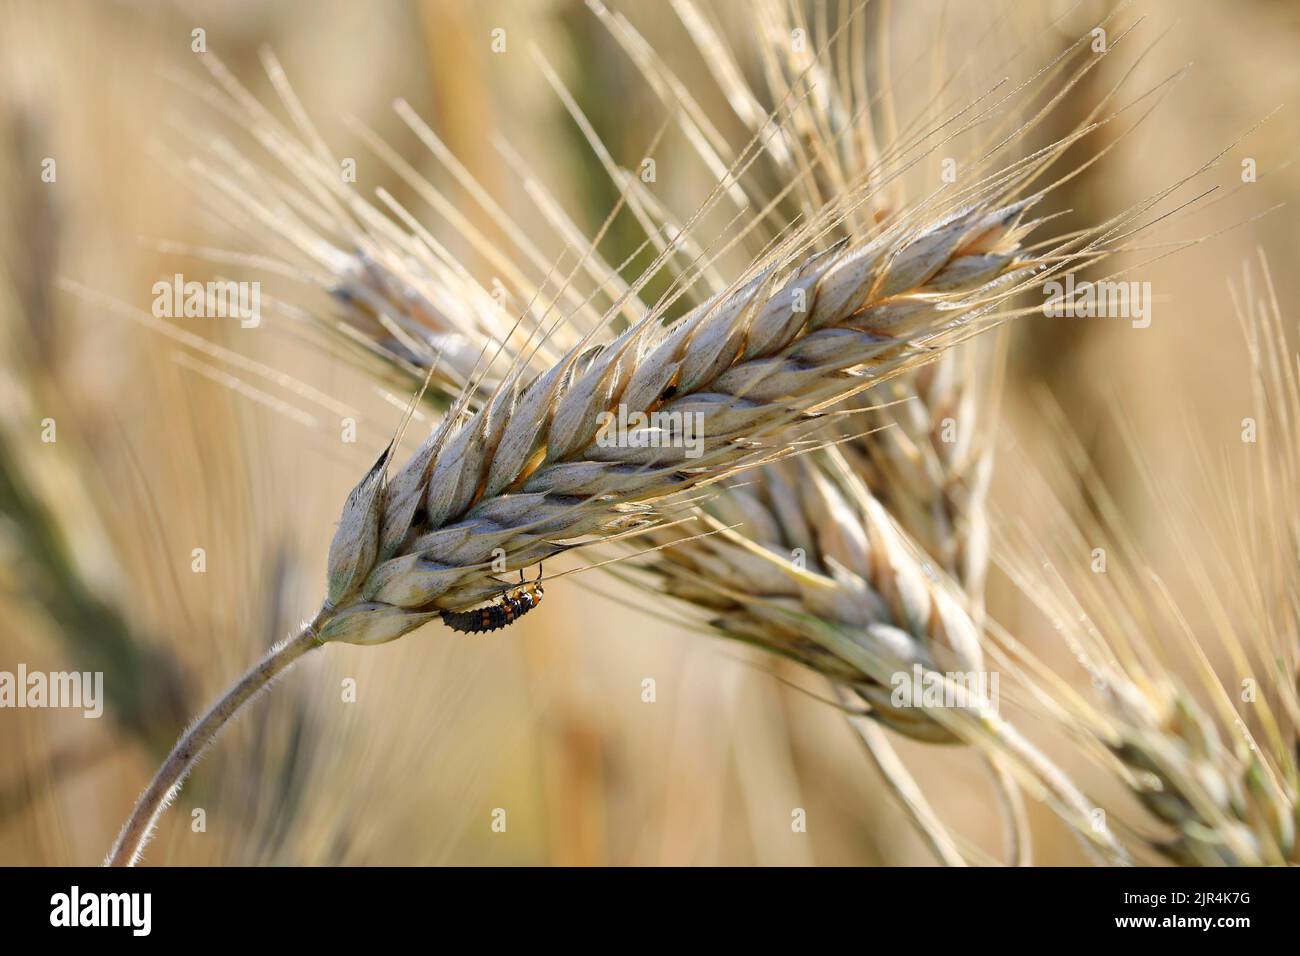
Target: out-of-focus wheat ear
[[920, 448], [798, 531], [816, 571], [1170, 716], [396, 289]]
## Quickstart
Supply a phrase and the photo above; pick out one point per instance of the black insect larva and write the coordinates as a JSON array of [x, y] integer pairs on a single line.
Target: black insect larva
[[511, 606]]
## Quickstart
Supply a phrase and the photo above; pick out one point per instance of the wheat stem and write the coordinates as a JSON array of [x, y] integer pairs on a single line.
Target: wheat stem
[[139, 827]]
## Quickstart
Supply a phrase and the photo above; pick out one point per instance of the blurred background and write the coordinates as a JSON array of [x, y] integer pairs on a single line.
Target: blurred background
[[161, 449]]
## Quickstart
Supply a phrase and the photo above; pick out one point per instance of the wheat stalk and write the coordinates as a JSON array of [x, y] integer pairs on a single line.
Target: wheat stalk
[[529, 474]]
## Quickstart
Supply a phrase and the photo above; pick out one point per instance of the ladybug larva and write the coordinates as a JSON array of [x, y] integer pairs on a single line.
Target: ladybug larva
[[507, 609]]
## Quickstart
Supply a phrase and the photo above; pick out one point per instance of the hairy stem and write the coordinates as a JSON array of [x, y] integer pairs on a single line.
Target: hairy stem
[[139, 827]]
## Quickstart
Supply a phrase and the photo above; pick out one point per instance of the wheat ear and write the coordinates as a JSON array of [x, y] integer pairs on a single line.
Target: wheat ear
[[824, 577], [530, 472], [1215, 766]]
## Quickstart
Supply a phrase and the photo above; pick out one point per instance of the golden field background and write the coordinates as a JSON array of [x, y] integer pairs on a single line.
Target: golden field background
[[155, 457]]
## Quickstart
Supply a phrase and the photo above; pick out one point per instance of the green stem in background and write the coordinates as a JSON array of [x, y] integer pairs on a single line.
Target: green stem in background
[[145, 690], [138, 828]]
